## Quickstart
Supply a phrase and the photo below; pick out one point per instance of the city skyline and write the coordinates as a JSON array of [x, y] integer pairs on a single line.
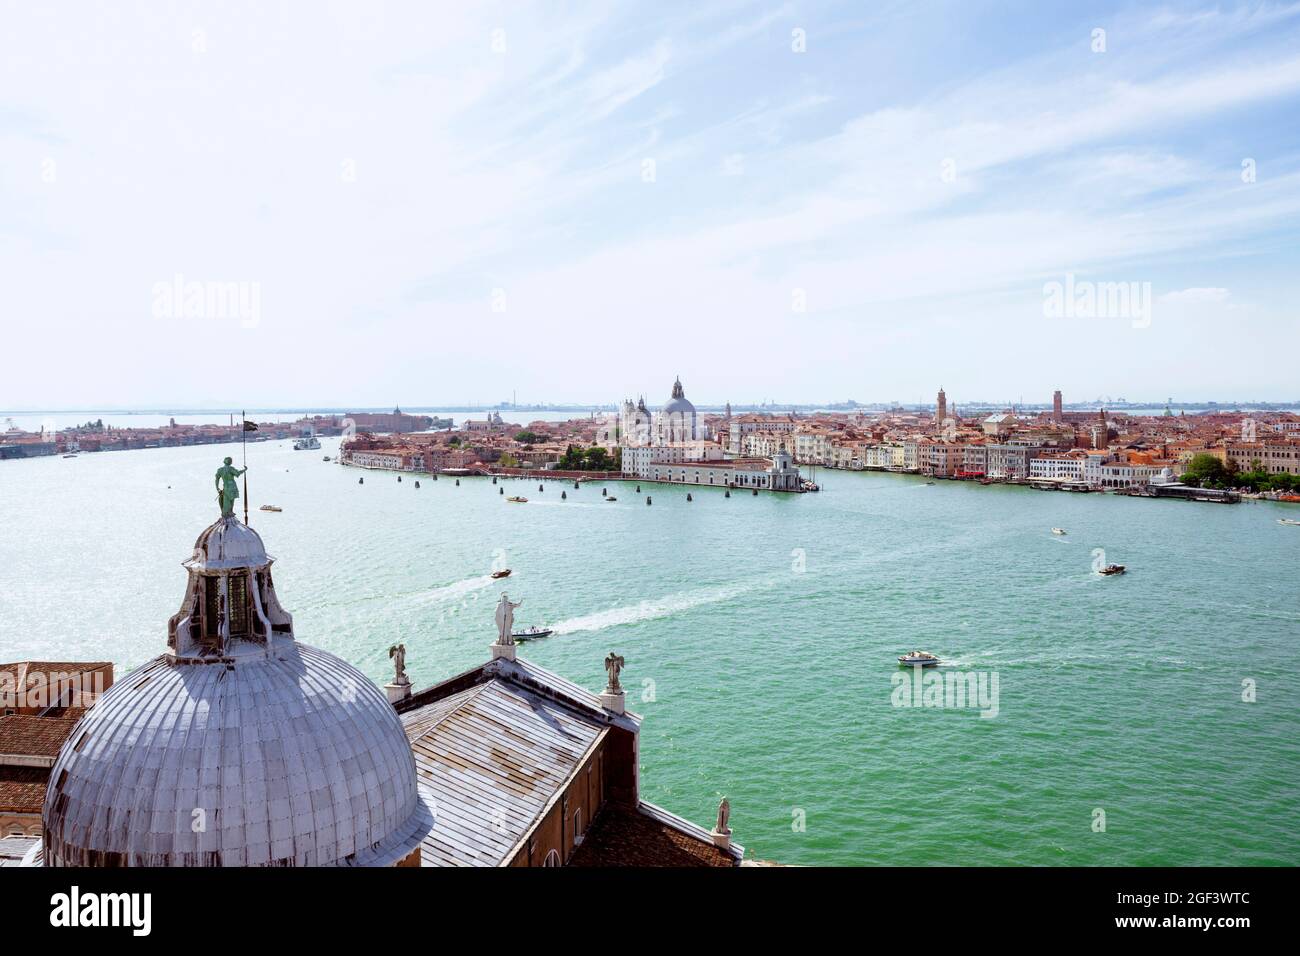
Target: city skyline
[[1096, 200]]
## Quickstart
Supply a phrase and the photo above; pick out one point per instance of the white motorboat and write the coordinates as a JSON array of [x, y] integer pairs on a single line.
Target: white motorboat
[[532, 633], [1287, 521], [921, 658], [1058, 531]]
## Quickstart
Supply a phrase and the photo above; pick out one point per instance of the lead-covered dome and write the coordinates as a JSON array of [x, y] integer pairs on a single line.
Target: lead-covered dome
[[678, 402], [237, 747], [291, 760]]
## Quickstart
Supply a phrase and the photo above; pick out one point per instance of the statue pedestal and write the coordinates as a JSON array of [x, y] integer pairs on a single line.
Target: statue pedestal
[[612, 701], [397, 692], [503, 650], [720, 839]]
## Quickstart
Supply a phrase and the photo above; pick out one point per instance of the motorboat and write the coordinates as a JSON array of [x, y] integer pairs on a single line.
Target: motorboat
[[310, 443], [270, 508], [326, 458], [1287, 521], [532, 633], [611, 498], [503, 573], [1058, 531], [518, 499], [919, 658], [1112, 569]]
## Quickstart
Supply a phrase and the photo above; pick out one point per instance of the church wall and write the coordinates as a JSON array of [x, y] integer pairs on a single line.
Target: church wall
[[582, 797]]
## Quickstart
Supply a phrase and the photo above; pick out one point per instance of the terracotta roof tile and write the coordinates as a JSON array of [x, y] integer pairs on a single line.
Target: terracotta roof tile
[[34, 736]]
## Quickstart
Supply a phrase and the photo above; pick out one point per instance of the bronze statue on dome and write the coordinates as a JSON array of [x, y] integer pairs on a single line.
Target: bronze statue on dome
[[227, 488]]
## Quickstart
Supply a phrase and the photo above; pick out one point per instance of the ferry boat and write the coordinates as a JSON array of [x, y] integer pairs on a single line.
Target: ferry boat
[[270, 508], [923, 658], [1058, 531], [310, 443], [1112, 569], [531, 633], [503, 573], [518, 499]]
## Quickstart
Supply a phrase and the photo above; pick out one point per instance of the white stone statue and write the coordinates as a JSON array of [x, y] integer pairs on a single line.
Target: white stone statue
[[724, 815], [613, 664], [398, 654], [506, 620]]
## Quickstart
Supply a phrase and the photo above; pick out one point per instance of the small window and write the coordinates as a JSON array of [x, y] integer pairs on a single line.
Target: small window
[[552, 858]]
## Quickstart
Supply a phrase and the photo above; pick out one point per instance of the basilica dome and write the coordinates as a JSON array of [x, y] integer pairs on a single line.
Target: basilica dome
[[678, 403], [237, 747]]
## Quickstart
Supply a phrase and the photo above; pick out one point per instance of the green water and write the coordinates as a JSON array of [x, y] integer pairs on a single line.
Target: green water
[[770, 684]]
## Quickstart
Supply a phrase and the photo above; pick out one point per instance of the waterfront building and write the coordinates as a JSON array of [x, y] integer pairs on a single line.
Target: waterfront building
[[769, 474], [394, 421], [1058, 467], [1276, 457], [639, 461]]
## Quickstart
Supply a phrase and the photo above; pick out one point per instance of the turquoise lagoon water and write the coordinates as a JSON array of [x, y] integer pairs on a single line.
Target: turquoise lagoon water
[[756, 679]]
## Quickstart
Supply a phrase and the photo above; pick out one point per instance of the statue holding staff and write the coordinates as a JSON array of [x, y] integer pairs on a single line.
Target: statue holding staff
[[228, 488]]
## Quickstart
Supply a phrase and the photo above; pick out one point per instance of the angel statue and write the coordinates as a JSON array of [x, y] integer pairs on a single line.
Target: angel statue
[[398, 653], [506, 620], [613, 664]]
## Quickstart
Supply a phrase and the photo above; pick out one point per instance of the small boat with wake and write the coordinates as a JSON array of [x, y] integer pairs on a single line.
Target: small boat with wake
[[503, 573], [1058, 531], [919, 659], [1287, 521], [270, 508], [518, 499], [1110, 569], [532, 633]]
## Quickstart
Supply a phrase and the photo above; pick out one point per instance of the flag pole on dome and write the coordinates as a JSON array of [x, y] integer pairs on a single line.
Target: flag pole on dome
[[243, 440]]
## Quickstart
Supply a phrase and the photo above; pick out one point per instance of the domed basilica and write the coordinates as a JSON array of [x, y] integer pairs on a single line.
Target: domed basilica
[[238, 746]]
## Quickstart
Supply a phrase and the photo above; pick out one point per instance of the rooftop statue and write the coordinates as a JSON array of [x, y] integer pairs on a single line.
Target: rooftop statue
[[506, 620], [613, 665], [227, 489], [724, 817], [398, 653]]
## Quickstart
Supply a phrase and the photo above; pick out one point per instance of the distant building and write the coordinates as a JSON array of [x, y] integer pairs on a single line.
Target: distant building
[[394, 421]]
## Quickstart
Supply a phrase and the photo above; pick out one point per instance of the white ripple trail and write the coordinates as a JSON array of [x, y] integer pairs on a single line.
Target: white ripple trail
[[651, 610]]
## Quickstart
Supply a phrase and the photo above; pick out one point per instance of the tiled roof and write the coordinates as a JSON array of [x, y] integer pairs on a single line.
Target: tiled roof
[[625, 836], [34, 736], [22, 789]]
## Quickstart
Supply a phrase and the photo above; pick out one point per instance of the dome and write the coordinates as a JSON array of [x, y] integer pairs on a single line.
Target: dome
[[678, 403], [295, 758], [228, 543]]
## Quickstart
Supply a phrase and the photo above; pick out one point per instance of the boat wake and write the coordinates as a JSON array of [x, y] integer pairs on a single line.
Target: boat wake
[[457, 591], [651, 610]]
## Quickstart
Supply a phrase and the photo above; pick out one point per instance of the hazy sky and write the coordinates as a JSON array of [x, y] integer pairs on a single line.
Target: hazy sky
[[434, 203]]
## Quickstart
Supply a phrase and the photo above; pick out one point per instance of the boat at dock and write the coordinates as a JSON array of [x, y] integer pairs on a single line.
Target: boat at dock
[[919, 658]]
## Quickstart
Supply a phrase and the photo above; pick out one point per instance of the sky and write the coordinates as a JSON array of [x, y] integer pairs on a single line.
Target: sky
[[328, 204]]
